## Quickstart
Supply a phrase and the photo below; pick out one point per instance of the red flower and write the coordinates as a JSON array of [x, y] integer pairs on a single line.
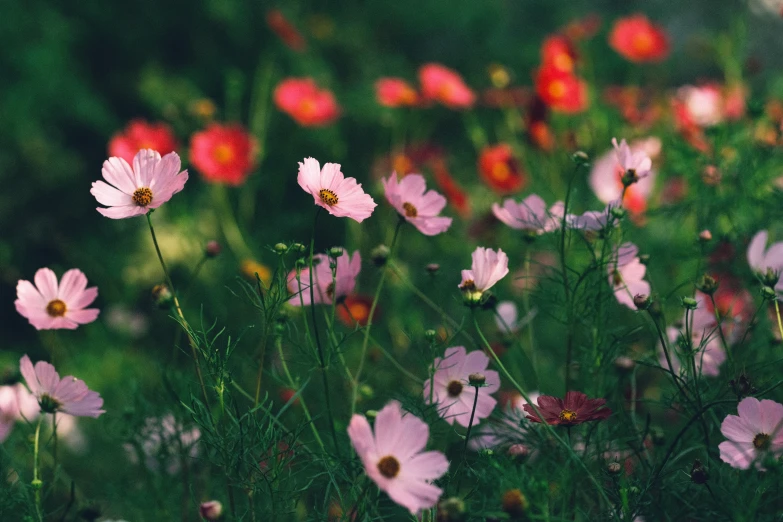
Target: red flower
[[356, 309], [563, 92], [444, 85], [636, 39], [582, 28], [308, 105], [559, 53], [279, 25], [142, 135], [395, 92], [457, 197], [575, 409], [223, 153], [500, 170]]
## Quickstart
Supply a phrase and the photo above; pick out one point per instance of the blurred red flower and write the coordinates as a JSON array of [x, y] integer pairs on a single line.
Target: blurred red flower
[[563, 92], [638, 40], [142, 135], [457, 197], [355, 309], [279, 25], [558, 52], [444, 85], [305, 102], [395, 92], [223, 153], [500, 170]]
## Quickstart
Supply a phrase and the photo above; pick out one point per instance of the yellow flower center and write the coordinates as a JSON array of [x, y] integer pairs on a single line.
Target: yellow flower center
[[307, 107], [328, 197], [454, 388], [761, 441], [223, 153], [56, 308], [568, 416], [389, 466], [563, 62], [557, 89], [642, 42], [142, 196], [501, 171], [410, 210]]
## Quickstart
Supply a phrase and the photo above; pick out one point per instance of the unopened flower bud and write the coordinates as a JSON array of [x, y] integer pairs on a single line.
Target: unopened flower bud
[[642, 301], [211, 510], [281, 248], [451, 509], [618, 212], [36, 484], [371, 414], [614, 468], [366, 391], [432, 268], [514, 503], [581, 158], [477, 379], [742, 386], [336, 252], [767, 293], [705, 236], [380, 255], [299, 248], [162, 296], [770, 277], [212, 249], [300, 263], [689, 303], [699, 473], [707, 284], [518, 451]]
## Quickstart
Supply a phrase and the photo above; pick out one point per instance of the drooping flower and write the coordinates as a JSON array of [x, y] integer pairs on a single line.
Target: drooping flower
[[395, 92], [637, 39], [500, 170], [224, 153], [16, 403], [164, 441], [306, 103], [420, 207], [766, 262], [340, 196], [488, 268], [575, 409], [530, 215], [606, 176], [140, 135], [626, 275], [753, 434], [326, 288], [49, 305], [135, 191], [452, 393], [509, 430], [561, 91], [68, 395], [441, 84], [394, 459]]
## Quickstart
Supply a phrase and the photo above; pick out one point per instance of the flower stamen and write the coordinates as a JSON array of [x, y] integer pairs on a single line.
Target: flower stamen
[[328, 197], [568, 416], [389, 466], [454, 388], [56, 308], [410, 210], [761, 441], [142, 196]]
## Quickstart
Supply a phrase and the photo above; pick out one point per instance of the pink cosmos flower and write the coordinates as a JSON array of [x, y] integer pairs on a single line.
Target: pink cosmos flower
[[626, 275], [49, 306], [164, 440], [16, 403], [419, 207], [393, 457], [326, 288], [755, 433], [488, 268], [446, 86], [68, 395], [452, 393], [767, 262], [609, 168], [590, 221], [511, 428], [340, 196], [530, 215], [704, 338], [133, 192]]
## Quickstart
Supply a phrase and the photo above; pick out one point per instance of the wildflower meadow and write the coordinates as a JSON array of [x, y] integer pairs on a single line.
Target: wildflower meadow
[[353, 261]]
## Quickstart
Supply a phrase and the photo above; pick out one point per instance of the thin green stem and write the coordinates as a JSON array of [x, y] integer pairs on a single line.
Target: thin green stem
[[526, 303], [37, 484], [470, 423], [777, 313]]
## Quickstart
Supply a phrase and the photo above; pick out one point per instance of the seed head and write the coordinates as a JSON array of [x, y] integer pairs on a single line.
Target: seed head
[[699, 473], [707, 284], [380, 255], [642, 301], [281, 248], [689, 303], [477, 379]]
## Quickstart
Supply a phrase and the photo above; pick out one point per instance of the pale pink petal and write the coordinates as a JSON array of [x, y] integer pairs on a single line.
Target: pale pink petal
[[388, 432], [164, 171], [84, 299], [28, 372], [165, 192], [772, 417], [84, 316], [737, 455], [309, 176], [110, 196], [46, 282], [47, 376], [89, 406], [72, 285], [735, 429], [749, 410], [117, 172], [756, 251], [29, 296], [122, 212], [475, 362], [332, 178], [425, 466], [414, 496], [431, 204], [431, 226], [144, 163]]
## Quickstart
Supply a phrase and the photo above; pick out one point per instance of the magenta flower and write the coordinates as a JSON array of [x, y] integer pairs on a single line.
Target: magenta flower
[[393, 457], [49, 306], [488, 268], [326, 288], [133, 192], [767, 262], [530, 215], [16, 403], [340, 196], [626, 275], [634, 162], [418, 207], [755, 433], [575, 409], [453, 394], [69, 395]]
